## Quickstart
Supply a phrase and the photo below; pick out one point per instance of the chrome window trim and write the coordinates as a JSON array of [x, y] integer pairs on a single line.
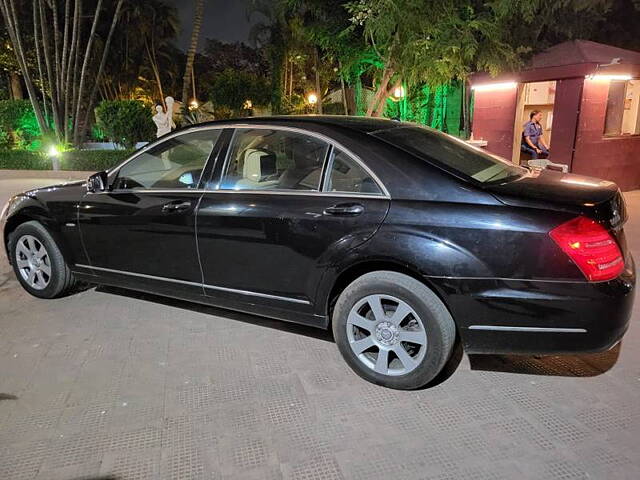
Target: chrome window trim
[[196, 284], [505, 328], [252, 192], [330, 141]]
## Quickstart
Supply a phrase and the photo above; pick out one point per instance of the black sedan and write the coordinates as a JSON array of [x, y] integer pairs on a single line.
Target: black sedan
[[400, 238]]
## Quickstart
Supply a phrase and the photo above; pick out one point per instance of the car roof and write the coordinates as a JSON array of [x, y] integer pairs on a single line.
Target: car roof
[[361, 124]]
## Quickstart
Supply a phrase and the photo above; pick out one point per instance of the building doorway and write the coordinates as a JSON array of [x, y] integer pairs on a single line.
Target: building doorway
[[532, 96]]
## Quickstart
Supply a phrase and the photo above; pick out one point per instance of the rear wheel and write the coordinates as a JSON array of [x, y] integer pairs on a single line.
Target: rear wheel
[[392, 330], [38, 262]]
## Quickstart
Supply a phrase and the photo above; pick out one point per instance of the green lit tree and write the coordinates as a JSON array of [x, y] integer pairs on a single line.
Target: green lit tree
[[71, 46], [433, 41]]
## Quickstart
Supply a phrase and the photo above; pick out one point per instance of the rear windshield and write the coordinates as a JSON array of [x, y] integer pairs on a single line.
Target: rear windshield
[[451, 153]]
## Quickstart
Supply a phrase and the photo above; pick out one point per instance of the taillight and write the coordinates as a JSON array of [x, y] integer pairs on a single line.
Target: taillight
[[591, 247]]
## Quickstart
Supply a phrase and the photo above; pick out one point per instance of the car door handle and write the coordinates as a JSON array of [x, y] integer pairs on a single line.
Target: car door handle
[[174, 207], [346, 209]]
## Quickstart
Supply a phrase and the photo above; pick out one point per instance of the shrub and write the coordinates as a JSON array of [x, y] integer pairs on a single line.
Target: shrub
[[336, 108], [125, 122], [231, 88], [89, 160], [93, 159], [24, 160], [18, 124]]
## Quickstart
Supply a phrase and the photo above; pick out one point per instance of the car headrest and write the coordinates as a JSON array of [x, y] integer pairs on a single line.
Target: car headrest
[[258, 164]]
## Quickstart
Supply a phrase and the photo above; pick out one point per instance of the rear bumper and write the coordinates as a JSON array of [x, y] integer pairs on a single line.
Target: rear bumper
[[539, 317]]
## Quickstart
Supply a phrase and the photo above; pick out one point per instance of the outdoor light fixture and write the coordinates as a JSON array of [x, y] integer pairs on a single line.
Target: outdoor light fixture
[[606, 78], [54, 151], [194, 104], [494, 86], [398, 92], [312, 98], [247, 105]]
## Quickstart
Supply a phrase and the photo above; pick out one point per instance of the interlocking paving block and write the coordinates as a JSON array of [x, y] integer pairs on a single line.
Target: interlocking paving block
[[319, 467]]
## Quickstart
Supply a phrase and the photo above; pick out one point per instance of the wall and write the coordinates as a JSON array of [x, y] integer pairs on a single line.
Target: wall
[[493, 119], [616, 159]]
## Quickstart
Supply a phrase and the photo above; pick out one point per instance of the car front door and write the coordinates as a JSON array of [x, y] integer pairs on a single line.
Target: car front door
[[142, 230], [287, 204]]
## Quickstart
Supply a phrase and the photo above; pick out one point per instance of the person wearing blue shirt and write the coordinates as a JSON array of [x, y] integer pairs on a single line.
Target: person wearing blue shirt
[[532, 137]]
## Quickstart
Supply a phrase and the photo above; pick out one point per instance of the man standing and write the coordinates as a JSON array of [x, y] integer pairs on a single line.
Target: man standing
[[532, 137]]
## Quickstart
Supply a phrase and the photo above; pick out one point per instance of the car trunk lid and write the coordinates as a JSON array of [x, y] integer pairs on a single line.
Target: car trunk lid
[[598, 199]]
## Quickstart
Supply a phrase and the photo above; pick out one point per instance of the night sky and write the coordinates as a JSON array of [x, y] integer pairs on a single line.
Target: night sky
[[225, 20]]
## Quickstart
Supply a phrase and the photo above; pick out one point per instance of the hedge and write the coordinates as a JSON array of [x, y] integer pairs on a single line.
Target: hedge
[[89, 160]]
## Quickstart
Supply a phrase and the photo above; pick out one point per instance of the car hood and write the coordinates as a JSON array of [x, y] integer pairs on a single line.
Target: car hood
[[547, 189]]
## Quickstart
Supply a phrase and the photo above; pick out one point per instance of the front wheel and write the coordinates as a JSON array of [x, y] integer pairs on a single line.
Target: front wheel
[[392, 330], [38, 262]]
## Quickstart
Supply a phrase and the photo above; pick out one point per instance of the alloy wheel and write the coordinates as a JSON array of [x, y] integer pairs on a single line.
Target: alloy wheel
[[33, 262], [386, 334]]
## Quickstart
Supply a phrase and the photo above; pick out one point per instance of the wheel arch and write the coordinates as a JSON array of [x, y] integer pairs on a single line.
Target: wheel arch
[[28, 214], [356, 270]]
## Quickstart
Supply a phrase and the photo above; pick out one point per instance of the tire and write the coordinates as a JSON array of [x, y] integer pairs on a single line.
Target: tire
[[53, 278], [423, 329]]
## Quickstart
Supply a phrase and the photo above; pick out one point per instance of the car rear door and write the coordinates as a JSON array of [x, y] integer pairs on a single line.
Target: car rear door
[[142, 230], [287, 205]]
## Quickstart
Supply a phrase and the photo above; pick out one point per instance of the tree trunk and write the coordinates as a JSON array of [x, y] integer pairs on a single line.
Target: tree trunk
[[381, 93], [8, 10], [16, 86], [36, 41], [53, 4], [96, 80], [70, 68], [344, 93], [156, 71], [76, 64], [50, 70], [191, 53], [317, 72], [466, 109], [83, 73]]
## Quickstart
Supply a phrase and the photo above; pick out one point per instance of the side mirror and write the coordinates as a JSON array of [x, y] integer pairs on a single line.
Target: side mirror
[[98, 182]]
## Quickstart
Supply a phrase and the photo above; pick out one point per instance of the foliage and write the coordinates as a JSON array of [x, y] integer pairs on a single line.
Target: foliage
[[18, 124], [143, 62], [125, 122], [93, 160], [435, 41], [232, 88], [221, 56], [24, 160], [88, 160]]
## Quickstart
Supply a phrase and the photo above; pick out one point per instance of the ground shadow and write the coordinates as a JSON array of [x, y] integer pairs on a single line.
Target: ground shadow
[[298, 329], [584, 365]]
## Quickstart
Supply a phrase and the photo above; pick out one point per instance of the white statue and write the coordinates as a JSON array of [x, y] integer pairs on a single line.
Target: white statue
[[164, 120]]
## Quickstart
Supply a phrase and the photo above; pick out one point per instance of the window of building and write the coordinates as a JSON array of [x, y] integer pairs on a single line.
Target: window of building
[[623, 105]]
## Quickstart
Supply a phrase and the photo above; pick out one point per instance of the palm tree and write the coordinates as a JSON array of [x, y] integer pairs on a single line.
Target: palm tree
[[156, 24], [272, 34], [191, 53]]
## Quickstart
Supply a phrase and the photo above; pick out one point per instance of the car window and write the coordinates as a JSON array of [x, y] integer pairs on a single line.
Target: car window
[[175, 163], [346, 175], [266, 159], [450, 152]]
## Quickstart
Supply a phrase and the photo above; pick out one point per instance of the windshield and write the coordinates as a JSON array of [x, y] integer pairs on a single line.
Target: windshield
[[450, 152]]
